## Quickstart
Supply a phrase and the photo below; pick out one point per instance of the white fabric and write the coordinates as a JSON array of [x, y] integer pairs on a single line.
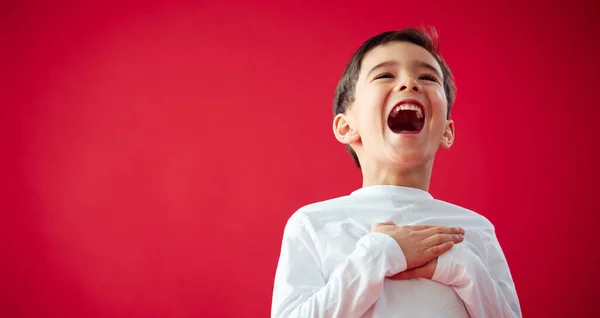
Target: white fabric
[[331, 265]]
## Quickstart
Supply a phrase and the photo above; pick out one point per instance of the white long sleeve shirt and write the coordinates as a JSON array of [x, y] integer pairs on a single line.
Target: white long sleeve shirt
[[331, 265]]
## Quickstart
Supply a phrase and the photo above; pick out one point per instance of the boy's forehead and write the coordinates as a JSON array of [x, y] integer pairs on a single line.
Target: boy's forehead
[[401, 53]]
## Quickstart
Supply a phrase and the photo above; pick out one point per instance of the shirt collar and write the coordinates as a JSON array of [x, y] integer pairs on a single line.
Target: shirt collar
[[393, 190]]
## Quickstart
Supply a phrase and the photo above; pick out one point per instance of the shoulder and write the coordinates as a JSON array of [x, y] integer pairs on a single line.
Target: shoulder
[[467, 216], [312, 215], [479, 230], [321, 208]]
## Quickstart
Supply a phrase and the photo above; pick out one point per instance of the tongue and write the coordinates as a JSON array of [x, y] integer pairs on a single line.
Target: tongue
[[405, 121]]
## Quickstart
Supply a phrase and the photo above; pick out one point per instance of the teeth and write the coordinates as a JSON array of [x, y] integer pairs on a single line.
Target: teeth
[[415, 108]]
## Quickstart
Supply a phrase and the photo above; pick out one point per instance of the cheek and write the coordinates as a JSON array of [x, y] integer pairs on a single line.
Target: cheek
[[437, 100], [370, 110]]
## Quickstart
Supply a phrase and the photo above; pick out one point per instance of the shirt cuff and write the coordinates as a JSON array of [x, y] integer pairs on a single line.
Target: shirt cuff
[[443, 269], [396, 262]]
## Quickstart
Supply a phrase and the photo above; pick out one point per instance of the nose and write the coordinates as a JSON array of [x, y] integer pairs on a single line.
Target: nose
[[410, 84]]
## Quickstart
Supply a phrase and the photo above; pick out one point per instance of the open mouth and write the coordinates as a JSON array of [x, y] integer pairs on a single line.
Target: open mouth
[[407, 118]]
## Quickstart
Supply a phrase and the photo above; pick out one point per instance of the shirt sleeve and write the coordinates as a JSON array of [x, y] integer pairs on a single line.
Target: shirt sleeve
[[482, 280], [301, 290]]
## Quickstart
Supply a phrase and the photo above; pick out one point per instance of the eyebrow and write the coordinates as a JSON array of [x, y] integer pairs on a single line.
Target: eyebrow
[[429, 67], [380, 65], [419, 64]]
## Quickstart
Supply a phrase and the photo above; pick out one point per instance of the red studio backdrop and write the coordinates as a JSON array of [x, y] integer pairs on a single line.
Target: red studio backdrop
[[153, 151]]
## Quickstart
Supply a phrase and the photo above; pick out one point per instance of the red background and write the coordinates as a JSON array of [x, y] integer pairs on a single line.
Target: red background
[[153, 151]]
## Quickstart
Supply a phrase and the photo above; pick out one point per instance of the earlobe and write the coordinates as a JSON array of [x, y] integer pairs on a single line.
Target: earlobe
[[449, 135], [343, 130]]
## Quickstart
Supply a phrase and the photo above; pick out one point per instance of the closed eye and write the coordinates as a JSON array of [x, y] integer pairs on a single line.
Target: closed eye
[[384, 75], [429, 77]]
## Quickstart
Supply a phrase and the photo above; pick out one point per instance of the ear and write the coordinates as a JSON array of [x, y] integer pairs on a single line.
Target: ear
[[449, 134], [343, 130]]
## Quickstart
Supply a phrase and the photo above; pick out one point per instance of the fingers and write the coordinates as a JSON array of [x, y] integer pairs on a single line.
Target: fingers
[[411, 273], [433, 230], [442, 238], [438, 250], [425, 271]]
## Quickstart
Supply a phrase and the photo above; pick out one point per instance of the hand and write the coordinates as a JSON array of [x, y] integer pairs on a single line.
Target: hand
[[425, 271], [421, 243]]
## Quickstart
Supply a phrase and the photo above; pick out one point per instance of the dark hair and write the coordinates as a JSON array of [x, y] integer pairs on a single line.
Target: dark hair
[[428, 39]]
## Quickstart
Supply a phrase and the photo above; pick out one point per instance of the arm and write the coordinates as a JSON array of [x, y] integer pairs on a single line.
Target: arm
[[300, 290], [485, 285]]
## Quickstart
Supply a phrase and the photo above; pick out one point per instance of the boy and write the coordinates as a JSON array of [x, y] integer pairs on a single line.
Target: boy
[[389, 249]]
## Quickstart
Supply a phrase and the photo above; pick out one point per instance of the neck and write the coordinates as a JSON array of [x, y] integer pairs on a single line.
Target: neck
[[413, 177]]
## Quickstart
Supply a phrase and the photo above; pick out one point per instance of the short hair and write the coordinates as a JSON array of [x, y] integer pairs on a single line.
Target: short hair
[[427, 39]]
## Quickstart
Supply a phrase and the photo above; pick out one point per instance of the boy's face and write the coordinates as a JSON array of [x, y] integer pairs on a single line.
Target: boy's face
[[399, 113]]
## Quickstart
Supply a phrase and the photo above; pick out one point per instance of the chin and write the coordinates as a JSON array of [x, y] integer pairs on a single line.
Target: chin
[[408, 159]]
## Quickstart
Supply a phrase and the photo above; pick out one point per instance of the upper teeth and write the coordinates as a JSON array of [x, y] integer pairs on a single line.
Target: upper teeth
[[412, 107]]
